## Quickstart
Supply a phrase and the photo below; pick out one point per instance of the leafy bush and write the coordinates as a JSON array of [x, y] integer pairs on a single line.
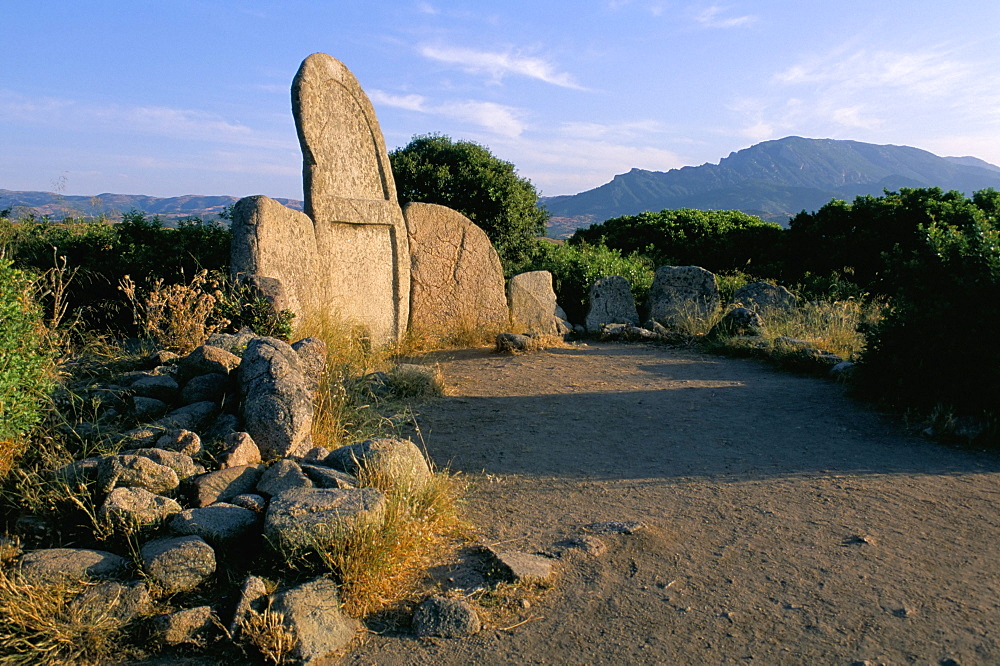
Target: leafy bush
[[717, 240], [936, 344], [575, 268], [102, 253], [25, 358], [465, 176]]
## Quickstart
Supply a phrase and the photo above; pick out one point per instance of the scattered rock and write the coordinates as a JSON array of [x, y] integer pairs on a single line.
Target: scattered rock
[[182, 441], [190, 417], [130, 471], [78, 471], [312, 612], [240, 450], [522, 567], [211, 387], [219, 524], [738, 322], [178, 564], [251, 501], [281, 476], [615, 527], [124, 602], [225, 484], [161, 387], [205, 360], [252, 596], [234, 343], [447, 618], [53, 564], [182, 464], [325, 477], [128, 509], [312, 354], [183, 626], [762, 297], [277, 403], [148, 408], [512, 342], [304, 514], [396, 460]]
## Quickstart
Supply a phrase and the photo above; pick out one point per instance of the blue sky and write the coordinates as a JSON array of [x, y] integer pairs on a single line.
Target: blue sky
[[172, 97]]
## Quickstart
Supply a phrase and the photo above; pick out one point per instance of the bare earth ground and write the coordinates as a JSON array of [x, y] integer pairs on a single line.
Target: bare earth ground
[[785, 524]]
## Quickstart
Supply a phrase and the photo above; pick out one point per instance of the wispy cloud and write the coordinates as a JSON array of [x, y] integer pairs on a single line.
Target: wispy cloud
[[496, 118], [427, 8], [499, 64], [716, 16], [176, 123]]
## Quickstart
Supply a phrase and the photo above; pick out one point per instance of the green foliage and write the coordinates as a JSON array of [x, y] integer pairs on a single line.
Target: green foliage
[[244, 307], [936, 344], [25, 357], [853, 239], [466, 177], [717, 240], [103, 253], [575, 268]]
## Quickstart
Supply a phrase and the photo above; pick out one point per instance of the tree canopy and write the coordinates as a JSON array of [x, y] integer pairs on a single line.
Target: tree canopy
[[465, 176]]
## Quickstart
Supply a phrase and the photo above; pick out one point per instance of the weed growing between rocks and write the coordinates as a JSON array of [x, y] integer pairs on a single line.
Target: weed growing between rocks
[[268, 633], [379, 560], [41, 624]]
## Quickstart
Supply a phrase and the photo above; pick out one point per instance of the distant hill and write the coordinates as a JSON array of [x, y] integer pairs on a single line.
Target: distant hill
[[774, 179], [58, 206]]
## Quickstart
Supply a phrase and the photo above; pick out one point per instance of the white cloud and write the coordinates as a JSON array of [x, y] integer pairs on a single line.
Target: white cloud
[[427, 8], [176, 123], [496, 118], [498, 65], [713, 17], [625, 130]]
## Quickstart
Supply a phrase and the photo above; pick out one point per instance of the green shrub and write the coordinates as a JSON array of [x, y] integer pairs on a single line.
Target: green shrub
[[25, 357], [575, 268], [936, 344]]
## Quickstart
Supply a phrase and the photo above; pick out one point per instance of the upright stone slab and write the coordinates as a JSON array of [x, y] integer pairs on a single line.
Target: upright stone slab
[[456, 279], [533, 306], [763, 297], [611, 302], [277, 404], [348, 253], [680, 292]]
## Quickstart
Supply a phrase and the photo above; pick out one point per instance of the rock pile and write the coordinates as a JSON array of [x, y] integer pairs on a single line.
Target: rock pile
[[224, 468]]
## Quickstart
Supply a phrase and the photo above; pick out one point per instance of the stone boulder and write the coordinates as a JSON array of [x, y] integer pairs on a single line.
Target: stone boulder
[[124, 602], [211, 387], [312, 355], [183, 465], [219, 524], [312, 611], [738, 322], [205, 360], [762, 297], [456, 279], [398, 461], [53, 564], [682, 292], [533, 307], [611, 302], [178, 564], [130, 471], [281, 476], [158, 387], [224, 484], [446, 618], [127, 509], [240, 450], [297, 517], [184, 626], [277, 403]]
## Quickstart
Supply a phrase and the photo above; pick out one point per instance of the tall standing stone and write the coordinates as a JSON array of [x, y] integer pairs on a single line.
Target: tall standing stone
[[348, 254], [611, 302], [456, 279], [680, 292]]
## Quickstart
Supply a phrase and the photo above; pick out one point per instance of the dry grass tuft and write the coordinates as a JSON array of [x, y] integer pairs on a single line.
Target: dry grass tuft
[[380, 561], [269, 634], [179, 317], [39, 624]]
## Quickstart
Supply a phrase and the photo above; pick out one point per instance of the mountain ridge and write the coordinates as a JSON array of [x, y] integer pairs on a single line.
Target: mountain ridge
[[774, 179]]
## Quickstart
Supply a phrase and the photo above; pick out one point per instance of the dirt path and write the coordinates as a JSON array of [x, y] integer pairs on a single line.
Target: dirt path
[[784, 523]]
